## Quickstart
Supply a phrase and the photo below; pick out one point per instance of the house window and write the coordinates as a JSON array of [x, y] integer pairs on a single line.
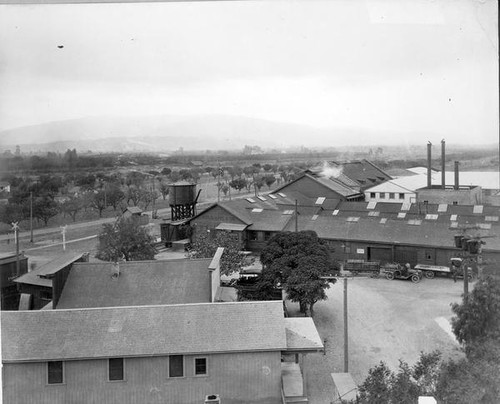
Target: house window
[[55, 372], [267, 235], [391, 195], [200, 366], [115, 369], [382, 195], [401, 196], [176, 366], [252, 235], [428, 255], [372, 195]]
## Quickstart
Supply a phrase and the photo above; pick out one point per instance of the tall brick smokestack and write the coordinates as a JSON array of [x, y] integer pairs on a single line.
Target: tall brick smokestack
[[443, 157], [429, 178], [456, 176]]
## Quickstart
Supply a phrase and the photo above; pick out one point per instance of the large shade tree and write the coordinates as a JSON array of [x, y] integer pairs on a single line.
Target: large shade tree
[[299, 262], [125, 239], [205, 245]]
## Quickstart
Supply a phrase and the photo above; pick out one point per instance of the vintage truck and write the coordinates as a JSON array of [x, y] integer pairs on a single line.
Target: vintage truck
[[455, 269]]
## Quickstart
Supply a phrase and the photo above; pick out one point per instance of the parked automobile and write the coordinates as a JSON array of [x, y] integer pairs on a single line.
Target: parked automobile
[[398, 271]]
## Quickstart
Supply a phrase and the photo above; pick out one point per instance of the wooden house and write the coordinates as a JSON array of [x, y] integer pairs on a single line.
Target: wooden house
[[156, 354]]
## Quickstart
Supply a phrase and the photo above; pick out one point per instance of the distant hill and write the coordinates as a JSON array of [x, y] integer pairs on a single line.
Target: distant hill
[[168, 133], [157, 133]]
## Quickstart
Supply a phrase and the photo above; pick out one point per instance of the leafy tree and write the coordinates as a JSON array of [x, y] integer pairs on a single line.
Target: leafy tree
[[205, 245], [174, 176], [477, 318], [298, 261], [238, 184], [148, 197], [135, 178], [267, 167], [14, 212], [45, 208], [86, 181], [71, 206], [235, 171], [258, 183], [376, 387], [71, 158], [166, 171], [383, 386], [99, 201], [115, 195], [185, 174], [164, 189], [125, 239], [250, 170], [135, 195], [269, 180]]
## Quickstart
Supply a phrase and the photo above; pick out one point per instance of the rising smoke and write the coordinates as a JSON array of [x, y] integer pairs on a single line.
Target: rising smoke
[[329, 171]]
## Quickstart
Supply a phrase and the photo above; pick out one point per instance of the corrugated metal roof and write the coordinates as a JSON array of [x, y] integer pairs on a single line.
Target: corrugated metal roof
[[143, 331], [269, 220], [428, 233]]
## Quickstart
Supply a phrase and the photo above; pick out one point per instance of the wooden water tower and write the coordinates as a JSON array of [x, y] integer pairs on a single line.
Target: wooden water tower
[[182, 200]]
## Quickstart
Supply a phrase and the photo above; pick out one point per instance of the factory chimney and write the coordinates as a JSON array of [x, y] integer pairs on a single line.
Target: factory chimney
[[443, 172], [456, 176], [429, 169]]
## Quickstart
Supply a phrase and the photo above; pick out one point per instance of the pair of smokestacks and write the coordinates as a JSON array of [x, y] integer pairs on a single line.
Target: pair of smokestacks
[[443, 172]]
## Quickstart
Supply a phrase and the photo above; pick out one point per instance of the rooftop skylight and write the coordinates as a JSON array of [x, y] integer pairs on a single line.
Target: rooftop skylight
[[320, 200], [477, 209]]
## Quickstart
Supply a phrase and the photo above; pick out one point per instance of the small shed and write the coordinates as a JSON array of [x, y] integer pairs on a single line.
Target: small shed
[[132, 211], [8, 273]]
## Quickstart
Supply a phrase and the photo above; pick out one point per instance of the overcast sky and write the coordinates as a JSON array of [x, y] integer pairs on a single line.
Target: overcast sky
[[403, 66]]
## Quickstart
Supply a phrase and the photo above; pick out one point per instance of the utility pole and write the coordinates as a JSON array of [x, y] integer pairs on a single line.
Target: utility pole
[[219, 169], [472, 252], [15, 227], [346, 325], [154, 197], [296, 218], [31, 217], [63, 231], [346, 332]]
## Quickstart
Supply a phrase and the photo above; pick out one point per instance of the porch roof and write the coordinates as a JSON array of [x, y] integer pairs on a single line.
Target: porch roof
[[302, 335]]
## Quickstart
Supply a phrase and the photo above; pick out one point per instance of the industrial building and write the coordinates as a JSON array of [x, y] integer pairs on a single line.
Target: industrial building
[[398, 229]]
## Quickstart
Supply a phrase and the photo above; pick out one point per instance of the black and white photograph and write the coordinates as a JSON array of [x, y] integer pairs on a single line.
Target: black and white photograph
[[249, 202]]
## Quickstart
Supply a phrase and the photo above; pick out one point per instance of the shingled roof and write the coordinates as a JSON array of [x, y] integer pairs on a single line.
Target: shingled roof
[[143, 331], [138, 283]]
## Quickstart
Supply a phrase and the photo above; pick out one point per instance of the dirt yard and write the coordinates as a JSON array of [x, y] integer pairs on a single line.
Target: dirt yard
[[387, 321]]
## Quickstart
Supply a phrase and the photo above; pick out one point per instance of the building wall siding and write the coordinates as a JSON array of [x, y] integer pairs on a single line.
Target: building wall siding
[[461, 197], [237, 378], [210, 219]]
